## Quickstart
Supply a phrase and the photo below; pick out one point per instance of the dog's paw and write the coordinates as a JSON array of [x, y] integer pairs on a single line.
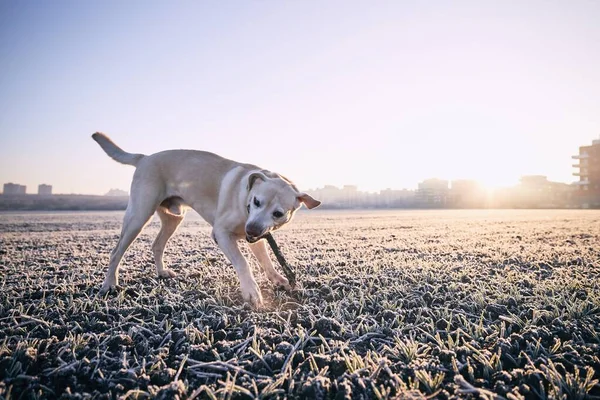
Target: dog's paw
[[167, 273], [107, 288], [280, 281], [251, 294]]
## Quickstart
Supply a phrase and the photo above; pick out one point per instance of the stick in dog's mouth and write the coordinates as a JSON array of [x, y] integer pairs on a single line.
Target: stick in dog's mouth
[[289, 273]]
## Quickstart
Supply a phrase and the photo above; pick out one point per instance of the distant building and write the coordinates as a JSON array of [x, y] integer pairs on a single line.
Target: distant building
[[531, 190], [14, 188], [433, 193], [395, 198], [588, 186], [467, 194], [534, 181], [117, 193], [328, 194], [536, 191], [44, 190], [350, 197]]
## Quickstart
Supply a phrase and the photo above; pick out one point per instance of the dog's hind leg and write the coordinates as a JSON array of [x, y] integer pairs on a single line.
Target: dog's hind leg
[[169, 224], [139, 210], [259, 249]]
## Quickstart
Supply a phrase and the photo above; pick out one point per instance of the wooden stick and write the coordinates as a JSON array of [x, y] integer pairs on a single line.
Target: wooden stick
[[289, 273]]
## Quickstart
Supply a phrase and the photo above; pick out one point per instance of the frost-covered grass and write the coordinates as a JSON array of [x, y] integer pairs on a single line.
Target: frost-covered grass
[[481, 304]]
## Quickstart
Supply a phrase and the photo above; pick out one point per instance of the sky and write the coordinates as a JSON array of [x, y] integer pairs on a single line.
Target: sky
[[376, 94]]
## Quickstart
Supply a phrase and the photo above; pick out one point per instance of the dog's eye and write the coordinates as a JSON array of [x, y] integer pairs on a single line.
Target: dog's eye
[[256, 202], [277, 214], [248, 208]]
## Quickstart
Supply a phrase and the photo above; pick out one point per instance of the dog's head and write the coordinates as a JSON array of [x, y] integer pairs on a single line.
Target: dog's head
[[271, 203]]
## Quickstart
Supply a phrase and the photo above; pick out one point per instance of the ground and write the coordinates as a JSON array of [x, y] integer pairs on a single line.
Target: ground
[[391, 304]]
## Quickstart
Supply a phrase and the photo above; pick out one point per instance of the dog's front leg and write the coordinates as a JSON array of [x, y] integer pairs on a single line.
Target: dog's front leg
[[228, 243], [259, 249]]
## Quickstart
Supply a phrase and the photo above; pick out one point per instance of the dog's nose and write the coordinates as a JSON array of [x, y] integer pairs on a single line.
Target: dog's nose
[[253, 230]]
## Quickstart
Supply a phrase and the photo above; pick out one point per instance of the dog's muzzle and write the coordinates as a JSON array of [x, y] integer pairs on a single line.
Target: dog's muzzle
[[255, 232], [253, 239]]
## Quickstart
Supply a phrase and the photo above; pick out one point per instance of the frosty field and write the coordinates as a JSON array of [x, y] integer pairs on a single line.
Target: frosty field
[[391, 304]]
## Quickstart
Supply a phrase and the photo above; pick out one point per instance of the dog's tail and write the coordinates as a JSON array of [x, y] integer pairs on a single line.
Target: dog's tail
[[115, 152]]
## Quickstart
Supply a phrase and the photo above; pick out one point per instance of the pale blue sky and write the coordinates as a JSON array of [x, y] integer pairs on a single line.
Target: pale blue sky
[[377, 94]]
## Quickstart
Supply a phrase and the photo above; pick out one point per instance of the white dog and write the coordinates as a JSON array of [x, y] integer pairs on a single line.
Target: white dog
[[240, 201]]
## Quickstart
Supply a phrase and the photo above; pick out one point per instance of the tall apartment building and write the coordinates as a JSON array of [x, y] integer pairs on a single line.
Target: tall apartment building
[[588, 186], [44, 190], [433, 193], [14, 188], [395, 198]]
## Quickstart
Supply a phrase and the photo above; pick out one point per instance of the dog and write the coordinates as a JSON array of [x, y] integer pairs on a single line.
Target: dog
[[240, 202]]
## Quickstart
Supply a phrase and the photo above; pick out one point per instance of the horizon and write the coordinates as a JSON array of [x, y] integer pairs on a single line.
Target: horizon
[[382, 97], [325, 186]]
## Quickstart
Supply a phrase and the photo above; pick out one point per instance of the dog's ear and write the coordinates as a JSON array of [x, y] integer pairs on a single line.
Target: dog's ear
[[308, 200], [253, 177]]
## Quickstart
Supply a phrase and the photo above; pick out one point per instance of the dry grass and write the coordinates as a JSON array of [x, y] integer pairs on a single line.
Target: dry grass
[[482, 304]]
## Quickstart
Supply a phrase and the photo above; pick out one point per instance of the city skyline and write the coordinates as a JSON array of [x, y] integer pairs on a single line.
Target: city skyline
[[586, 168], [461, 181], [507, 184], [374, 96], [348, 186], [534, 191]]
